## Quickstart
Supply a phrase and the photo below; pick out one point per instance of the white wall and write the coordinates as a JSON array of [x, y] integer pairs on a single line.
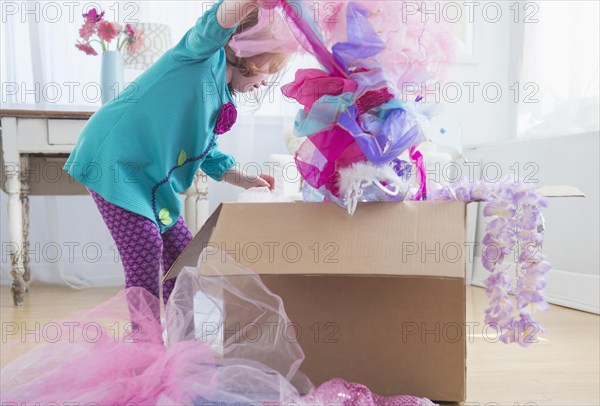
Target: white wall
[[483, 119], [489, 136], [571, 239]]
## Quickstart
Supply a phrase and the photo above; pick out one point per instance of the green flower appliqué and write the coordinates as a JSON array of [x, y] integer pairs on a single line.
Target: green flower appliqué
[[165, 217], [182, 157]]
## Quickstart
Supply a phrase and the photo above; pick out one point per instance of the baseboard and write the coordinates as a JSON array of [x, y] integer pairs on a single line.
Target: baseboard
[[575, 290], [77, 275]]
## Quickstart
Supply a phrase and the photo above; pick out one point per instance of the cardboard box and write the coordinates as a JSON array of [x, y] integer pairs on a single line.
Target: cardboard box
[[378, 296], [373, 294]]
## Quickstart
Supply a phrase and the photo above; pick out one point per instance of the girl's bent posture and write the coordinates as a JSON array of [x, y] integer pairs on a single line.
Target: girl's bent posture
[[141, 149]]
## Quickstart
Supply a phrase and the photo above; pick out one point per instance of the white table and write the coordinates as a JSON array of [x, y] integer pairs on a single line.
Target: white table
[[36, 142]]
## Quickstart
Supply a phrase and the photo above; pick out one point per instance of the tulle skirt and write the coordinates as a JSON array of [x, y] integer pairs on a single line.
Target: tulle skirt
[[119, 353]]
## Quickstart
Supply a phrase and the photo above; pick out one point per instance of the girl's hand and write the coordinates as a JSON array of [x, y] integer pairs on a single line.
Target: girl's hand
[[236, 177], [251, 181], [269, 179]]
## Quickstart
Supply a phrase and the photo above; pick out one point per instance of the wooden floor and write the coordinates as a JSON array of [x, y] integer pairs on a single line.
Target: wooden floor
[[562, 369]]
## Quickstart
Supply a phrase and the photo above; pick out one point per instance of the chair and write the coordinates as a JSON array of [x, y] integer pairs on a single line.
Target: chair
[[157, 39]]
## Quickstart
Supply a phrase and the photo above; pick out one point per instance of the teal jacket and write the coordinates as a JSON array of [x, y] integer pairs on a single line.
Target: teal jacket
[[141, 149]]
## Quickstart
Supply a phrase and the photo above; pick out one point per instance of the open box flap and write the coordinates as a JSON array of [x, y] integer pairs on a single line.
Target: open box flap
[[560, 191], [240, 225], [191, 253], [322, 239]]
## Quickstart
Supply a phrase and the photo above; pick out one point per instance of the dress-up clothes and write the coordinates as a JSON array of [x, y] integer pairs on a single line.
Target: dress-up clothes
[[227, 343], [142, 148]]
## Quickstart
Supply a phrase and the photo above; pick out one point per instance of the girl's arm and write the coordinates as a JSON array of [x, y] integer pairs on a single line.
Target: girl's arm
[[214, 28], [208, 35], [231, 12]]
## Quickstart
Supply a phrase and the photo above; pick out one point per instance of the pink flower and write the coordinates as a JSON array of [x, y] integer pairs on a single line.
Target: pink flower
[[87, 30], [107, 30], [135, 41], [129, 29], [226, 118], [92, 16], [87, 48], [95, 28]]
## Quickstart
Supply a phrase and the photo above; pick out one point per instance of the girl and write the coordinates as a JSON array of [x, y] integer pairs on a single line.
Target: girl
[[141, 149]]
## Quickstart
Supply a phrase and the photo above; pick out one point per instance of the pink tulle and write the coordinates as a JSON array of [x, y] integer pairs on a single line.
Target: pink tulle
[[99, 359], [268, 4], [310, 85], [211, 353], [418, 48], [333, 21], [417, 157], [321, 155], [340, 392], [270, 34]]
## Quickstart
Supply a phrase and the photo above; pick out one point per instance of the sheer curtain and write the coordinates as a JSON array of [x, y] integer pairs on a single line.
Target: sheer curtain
[[39, 64], [559, 84]]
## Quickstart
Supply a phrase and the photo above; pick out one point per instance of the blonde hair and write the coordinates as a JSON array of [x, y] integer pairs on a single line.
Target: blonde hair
[[275, 62]]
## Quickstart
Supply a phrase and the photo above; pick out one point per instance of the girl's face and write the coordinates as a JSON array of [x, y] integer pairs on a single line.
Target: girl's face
[[245, 84]]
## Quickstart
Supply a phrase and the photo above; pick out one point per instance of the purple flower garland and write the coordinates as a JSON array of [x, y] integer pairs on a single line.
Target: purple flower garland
[[516, 225]]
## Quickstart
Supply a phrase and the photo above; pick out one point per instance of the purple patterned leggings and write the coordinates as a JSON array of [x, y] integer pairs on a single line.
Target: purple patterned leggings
[[141, 246]]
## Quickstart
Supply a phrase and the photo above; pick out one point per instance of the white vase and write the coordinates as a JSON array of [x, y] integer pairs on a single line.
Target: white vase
[[111, 80]]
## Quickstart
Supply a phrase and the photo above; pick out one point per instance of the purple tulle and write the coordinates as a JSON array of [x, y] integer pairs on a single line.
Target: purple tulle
[[395, 135], [363, 41]]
